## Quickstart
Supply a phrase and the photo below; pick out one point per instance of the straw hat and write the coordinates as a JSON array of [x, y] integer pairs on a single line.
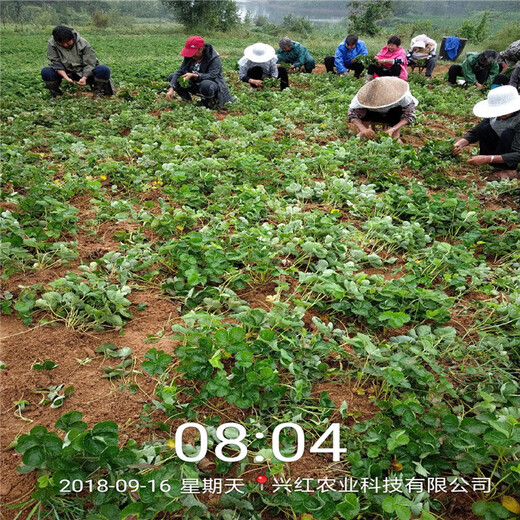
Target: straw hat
[[382, 92], [500, 101], [259, 53]]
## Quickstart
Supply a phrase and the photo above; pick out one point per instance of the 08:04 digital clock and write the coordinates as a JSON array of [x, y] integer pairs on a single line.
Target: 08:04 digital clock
[[332, 433]]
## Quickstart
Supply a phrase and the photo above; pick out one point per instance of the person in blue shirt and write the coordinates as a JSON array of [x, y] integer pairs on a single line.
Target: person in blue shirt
[[296, 54], [345, 57]]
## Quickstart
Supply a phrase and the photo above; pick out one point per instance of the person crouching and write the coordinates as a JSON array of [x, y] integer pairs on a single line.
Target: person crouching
[[386, 101], [258, 63], [202, 70], [498, 133]]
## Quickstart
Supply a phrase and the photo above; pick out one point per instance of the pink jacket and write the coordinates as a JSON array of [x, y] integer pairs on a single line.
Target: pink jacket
[[399, 54]]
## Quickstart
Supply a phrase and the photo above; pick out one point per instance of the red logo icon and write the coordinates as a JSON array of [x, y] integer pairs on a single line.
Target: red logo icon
[[261, 479]]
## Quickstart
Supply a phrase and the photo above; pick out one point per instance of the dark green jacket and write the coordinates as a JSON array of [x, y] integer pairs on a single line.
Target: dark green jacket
[[469, 65], [79, 58], [297, 56]]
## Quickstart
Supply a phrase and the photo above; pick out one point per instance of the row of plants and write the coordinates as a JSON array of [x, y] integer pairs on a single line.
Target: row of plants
[[367, 257]]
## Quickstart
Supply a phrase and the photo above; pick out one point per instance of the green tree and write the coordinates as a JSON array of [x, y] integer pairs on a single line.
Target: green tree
[[221, 15], [364, 17], [476, 32]]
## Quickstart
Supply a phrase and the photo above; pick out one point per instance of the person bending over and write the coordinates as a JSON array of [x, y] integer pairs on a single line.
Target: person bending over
[[498, 134]]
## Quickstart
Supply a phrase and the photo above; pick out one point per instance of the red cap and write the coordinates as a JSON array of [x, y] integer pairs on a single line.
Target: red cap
[[192, 45]]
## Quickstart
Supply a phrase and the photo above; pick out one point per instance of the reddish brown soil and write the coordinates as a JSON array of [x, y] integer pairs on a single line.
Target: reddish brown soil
[[78, 365]]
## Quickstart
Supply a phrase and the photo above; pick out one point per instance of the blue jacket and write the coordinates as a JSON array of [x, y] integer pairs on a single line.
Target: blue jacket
[[344, 56]]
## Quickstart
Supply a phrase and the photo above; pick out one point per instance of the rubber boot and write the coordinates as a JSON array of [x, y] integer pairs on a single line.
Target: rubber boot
[[54, 88], [100, 87], [211, 103]]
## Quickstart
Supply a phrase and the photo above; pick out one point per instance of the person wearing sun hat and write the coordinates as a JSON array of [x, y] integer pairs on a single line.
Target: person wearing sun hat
[[258, 63], [498, 133], [203, 69], [385, 100]]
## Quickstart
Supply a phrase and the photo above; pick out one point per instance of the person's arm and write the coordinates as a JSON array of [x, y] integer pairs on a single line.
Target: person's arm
[[180, 72], [468, 138], [301, 52], [354, 117], [55, 59], [512, 157], [243, 76], [88, 57], [467, 70], [493, 71], [362, 49], [363, 130], [339, 60], [514, 81], [273, 69]]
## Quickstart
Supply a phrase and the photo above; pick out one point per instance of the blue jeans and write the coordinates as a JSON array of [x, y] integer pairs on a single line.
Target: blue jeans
[[99, 72]]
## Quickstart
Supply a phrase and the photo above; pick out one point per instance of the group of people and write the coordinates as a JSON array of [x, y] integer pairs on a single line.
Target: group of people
[[384, 99]]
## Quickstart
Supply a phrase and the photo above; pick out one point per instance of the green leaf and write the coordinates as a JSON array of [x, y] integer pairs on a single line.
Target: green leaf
[[396, 439], [34, 456], [498, 439], [349, 508], [394, 320], [237, 335]]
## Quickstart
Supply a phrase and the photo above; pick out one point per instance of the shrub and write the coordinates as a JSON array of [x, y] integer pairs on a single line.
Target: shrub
[[100, 20]]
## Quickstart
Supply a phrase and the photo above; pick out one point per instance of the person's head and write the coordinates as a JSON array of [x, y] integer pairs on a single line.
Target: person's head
[[285, 44], [393, 43], [63, 36], [351, 41], [193, 48], [487, 57], [502, 102]]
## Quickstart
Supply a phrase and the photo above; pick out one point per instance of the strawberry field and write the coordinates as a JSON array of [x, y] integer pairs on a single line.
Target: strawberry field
[[194, 300]]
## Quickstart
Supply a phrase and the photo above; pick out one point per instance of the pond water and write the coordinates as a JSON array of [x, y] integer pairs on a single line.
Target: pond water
[[328, 11]]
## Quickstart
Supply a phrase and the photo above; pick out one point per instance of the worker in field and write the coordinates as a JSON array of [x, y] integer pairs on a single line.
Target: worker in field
[[73, 59], [296, 54], [345, 56], [258, 63], [477, 69], [200, 74], [498, 134], [391, 61], [386, 101], [422, 52], [509, 56]]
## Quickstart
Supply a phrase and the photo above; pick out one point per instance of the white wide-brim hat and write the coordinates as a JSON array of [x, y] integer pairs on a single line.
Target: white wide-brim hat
[[382, 92], [259, 53], [500, 101]]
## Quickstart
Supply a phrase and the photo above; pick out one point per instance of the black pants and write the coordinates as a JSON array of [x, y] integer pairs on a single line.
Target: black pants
[[491, 144], [501, 79], [309, 66], [394, 70], [257, 73], [206, 89], [456, 71], [392, 117], [358, 68]]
